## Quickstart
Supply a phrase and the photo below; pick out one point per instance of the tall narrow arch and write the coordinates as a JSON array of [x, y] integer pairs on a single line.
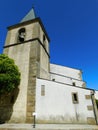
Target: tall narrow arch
[[21, 35]]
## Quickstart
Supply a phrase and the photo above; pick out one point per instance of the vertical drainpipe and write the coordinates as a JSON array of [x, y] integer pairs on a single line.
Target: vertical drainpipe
[[92, 95]]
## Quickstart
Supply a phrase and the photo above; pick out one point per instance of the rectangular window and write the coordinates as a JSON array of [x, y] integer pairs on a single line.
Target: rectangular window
[[75, 98], [42, 90]]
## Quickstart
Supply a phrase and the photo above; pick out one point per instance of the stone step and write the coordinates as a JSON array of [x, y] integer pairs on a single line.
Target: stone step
[[48, 127]]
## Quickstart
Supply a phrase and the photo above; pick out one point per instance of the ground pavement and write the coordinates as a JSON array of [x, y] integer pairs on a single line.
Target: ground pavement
[[47, 127]]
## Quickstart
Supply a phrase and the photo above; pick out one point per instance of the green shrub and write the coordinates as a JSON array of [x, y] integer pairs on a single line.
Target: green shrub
[[9, 74]]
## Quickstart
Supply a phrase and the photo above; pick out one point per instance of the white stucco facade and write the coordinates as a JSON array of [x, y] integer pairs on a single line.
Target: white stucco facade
[[56, 105], [66, 71], [96, 94], [66, 75]]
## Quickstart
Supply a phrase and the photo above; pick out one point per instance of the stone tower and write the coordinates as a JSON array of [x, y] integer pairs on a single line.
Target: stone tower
[[28, 44]]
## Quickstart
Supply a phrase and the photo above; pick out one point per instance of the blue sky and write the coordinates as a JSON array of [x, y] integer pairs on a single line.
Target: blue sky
[[72, 26]]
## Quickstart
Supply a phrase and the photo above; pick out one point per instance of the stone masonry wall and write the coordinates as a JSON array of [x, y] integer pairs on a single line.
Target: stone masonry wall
[[33, 71]]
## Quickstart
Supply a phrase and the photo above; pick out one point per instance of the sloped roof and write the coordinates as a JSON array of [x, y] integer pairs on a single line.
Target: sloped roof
[[30, 15]]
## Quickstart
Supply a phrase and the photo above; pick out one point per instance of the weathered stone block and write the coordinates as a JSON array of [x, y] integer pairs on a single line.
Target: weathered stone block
[[91, 120], [29, 114], [87, 96], [90, 108], [30, 109]]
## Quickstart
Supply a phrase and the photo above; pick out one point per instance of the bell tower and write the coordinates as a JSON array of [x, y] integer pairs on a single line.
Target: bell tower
[[28, 44]]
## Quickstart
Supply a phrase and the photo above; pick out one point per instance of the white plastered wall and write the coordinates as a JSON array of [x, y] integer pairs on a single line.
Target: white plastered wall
[[66, 75], [56, 105], [96, 95]]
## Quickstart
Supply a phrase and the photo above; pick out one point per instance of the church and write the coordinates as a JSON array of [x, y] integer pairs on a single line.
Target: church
[[52, 93]]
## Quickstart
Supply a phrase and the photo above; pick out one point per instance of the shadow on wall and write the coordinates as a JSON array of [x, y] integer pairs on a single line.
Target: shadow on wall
[[6, 105]]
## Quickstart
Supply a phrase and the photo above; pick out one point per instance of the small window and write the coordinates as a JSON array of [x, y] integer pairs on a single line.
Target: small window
[[42, 90], [75, 98], [21, 35], [44, 41], [53, 79], [73, 84], [44, 38]]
